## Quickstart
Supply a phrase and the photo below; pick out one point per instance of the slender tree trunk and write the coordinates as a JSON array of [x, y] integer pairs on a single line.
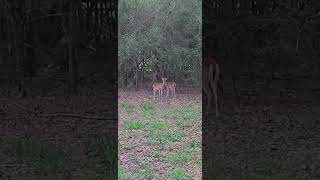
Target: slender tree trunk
[[17, 38], [72, 33], [30, 38]]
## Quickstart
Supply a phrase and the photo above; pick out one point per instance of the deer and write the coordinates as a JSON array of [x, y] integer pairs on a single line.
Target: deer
[[171, 86], [159, 87], [211, 79]]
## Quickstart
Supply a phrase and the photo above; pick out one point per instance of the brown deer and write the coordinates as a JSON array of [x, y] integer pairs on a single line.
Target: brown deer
[[159, 87], [211, 78], [171, 86]]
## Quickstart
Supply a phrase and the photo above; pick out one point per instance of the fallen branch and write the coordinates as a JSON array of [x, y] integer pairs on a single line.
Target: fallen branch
[[62, 114], [65, 114]]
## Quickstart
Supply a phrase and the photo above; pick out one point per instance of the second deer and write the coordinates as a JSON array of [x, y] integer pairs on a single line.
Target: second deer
[[159, 87], [171, 86]]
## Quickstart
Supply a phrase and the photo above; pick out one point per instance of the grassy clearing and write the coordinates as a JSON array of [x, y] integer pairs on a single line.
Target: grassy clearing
[[160, 139]]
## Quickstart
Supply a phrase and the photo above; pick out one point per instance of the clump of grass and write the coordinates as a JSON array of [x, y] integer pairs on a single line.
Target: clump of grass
[[174, 136], [178, 158], [128, 107], [192, 147], [148, 110], [159, 137], [185, 117], [179, 174], [123, 175], [134, 125], [184, 123], [147, 106], [188, 114], [156, 125]]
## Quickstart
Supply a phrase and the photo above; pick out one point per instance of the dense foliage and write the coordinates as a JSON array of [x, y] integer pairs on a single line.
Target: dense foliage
[[162, 35]]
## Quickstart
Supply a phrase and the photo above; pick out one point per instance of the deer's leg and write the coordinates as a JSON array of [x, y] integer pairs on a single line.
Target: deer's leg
[[214, 85], [207, 92], [162, 93], [215, 95], [154, 94]]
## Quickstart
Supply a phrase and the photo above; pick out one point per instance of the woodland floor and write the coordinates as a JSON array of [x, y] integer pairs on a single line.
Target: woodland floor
[[277, 137], [48, 135], [160, 139]]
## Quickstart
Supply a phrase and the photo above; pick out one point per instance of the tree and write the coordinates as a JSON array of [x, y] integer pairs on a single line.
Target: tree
[[164, 35]]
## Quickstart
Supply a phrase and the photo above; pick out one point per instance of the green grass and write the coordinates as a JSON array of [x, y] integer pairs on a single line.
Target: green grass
[[179, 174], [178, 158], [159, 137], [164, 141], [134, 125], [174, 136], [147, 106], [156, 125], [128, 107], [193, 146], [123, 175]]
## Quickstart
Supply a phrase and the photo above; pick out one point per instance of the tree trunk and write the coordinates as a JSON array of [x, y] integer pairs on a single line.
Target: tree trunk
[[73, 39], [16, 37], [30, 38]]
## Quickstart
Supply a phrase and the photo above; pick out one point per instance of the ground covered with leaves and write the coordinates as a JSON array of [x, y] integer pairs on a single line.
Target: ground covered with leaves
[[56, 136], [160, 139], [277, 137]]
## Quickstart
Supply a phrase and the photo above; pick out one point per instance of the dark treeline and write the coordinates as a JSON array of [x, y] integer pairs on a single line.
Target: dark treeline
[[58, 89], [53, 37], [262, 40]]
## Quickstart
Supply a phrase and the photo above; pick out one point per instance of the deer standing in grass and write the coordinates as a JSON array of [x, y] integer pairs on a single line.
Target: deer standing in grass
[[159, 87], [171, 86], [211, 77]]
